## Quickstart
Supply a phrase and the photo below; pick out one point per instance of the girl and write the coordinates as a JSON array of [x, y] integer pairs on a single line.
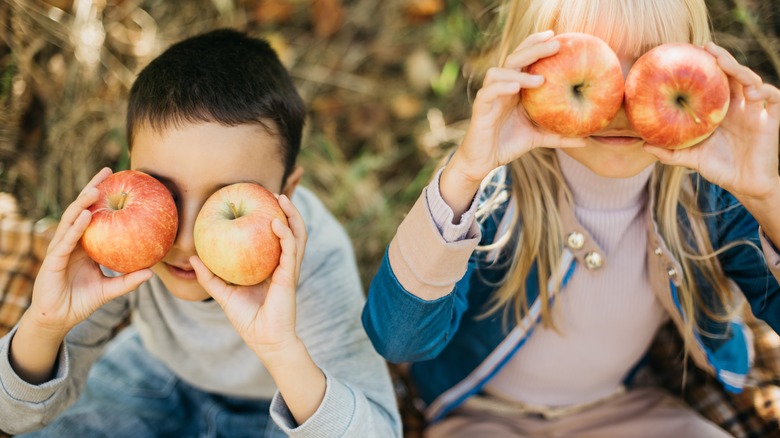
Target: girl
[[532, 274]]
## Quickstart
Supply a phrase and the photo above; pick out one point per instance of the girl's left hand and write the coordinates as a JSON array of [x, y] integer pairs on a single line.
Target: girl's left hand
[[264, 314], [741, 156]]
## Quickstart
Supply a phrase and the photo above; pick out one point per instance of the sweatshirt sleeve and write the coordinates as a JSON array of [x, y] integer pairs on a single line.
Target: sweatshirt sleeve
[[359, 397], [25, 407]]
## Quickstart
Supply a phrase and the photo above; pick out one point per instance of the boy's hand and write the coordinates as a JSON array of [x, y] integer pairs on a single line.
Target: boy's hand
[[741, 156], [69, 286], [500, 131], [264, 314]]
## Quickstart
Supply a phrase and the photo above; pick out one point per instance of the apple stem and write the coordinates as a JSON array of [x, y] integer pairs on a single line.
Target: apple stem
[[233, 209], [122, 200], [688, 109]]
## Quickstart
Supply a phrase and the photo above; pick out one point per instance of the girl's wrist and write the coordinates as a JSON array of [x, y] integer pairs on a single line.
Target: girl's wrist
[[457, 186], [770, 201]]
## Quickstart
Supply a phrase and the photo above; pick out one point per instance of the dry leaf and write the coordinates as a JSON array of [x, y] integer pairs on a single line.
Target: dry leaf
[[273, 11], [327, 17], [405, 106], [420, 10], [420, 69]]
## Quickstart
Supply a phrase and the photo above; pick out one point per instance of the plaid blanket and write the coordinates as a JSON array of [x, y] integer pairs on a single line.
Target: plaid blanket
[[753, 414]]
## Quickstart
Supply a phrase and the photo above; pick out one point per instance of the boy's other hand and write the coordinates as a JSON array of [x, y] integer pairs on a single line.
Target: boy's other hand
[[70, 286], [264, 314]]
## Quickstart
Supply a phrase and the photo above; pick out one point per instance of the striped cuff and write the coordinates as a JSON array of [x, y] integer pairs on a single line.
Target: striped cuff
[[771, 253], [424, 263], [443, 216]]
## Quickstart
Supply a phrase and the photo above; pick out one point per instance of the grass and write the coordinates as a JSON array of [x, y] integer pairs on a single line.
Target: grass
[[388, 91]]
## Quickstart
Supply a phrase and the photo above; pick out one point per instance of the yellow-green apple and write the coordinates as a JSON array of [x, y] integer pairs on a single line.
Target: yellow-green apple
[[134, 222], [676, 95], [582, 90], [233, 235]]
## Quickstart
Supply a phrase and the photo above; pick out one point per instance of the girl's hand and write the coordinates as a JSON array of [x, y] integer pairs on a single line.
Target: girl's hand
[[264, 314], [741, 156], [500, 131], [69, 286]]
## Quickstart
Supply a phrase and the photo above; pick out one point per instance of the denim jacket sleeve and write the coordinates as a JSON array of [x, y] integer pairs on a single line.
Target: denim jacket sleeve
[[419, 262], [745, 264]]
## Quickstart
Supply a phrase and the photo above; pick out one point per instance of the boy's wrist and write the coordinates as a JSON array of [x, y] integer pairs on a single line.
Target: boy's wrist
[[41, 330], [283, 354]]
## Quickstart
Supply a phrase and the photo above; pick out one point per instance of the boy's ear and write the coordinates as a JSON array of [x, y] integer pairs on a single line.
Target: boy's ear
[[292, 181]]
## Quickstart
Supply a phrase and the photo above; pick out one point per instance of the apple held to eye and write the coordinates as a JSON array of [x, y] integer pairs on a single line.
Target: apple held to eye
[[582, 90], [134, 222], [233, 235], [676, 95]]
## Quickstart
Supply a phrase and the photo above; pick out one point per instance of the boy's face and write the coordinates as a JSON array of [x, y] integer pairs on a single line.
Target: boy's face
[[193, 161]]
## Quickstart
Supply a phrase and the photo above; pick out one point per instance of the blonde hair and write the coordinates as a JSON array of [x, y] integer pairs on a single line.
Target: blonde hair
[[630, 26]]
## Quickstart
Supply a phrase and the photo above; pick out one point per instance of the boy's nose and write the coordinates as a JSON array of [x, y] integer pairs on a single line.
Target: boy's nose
[[185, 238]]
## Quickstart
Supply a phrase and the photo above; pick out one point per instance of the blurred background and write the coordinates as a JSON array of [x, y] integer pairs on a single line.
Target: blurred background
[[388, 85]]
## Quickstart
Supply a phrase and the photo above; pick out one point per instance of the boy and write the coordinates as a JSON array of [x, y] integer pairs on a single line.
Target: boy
[[202, 357]]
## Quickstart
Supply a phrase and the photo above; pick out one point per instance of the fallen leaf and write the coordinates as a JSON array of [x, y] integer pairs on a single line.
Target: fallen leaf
[[273, 11], [421, 70], [421, 10], [405, 106], [327, 17]]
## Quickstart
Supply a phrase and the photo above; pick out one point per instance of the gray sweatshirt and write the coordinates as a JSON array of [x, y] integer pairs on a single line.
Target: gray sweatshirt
[[198, 343]]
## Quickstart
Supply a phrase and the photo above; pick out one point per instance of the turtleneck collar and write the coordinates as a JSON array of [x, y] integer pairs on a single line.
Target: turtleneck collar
[[595, 192]]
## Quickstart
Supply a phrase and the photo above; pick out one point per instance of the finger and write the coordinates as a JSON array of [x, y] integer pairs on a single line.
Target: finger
[[732, 67], [497, 74], [535, 38], [288, 261], [60, 253], [213, 285], [677, 157], [528, 56], [98, 178], [296, 224], [487, 96], [772, 101], [550, 140], [736, 91], [85, 200], [118, 286]]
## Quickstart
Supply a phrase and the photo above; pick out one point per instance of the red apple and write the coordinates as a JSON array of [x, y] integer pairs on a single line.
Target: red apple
[[233, 235], [582, 90], [676, 95], [133, 224]]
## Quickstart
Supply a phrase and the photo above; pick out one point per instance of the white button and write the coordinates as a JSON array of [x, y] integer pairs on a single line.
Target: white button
[[658, 251], [575, 240], [671, 272], [593, 260]]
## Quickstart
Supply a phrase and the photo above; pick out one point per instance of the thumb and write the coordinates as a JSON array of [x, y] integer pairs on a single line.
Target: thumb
[[118, 286], [214, 286], [676, 157]]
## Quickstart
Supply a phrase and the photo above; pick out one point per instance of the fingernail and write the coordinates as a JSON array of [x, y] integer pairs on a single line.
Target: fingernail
[[537, 80], [752, 93]]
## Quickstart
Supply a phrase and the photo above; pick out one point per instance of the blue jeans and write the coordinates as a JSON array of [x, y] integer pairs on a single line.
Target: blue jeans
[[130, 393]]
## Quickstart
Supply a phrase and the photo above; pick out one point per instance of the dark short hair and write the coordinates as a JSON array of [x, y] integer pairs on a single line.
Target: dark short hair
[[222, 76]]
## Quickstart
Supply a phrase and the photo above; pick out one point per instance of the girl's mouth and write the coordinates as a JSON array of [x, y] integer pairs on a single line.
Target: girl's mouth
[[617, 140]]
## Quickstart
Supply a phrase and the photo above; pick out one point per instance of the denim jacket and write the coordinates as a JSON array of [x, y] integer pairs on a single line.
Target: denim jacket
[[454, 353]]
